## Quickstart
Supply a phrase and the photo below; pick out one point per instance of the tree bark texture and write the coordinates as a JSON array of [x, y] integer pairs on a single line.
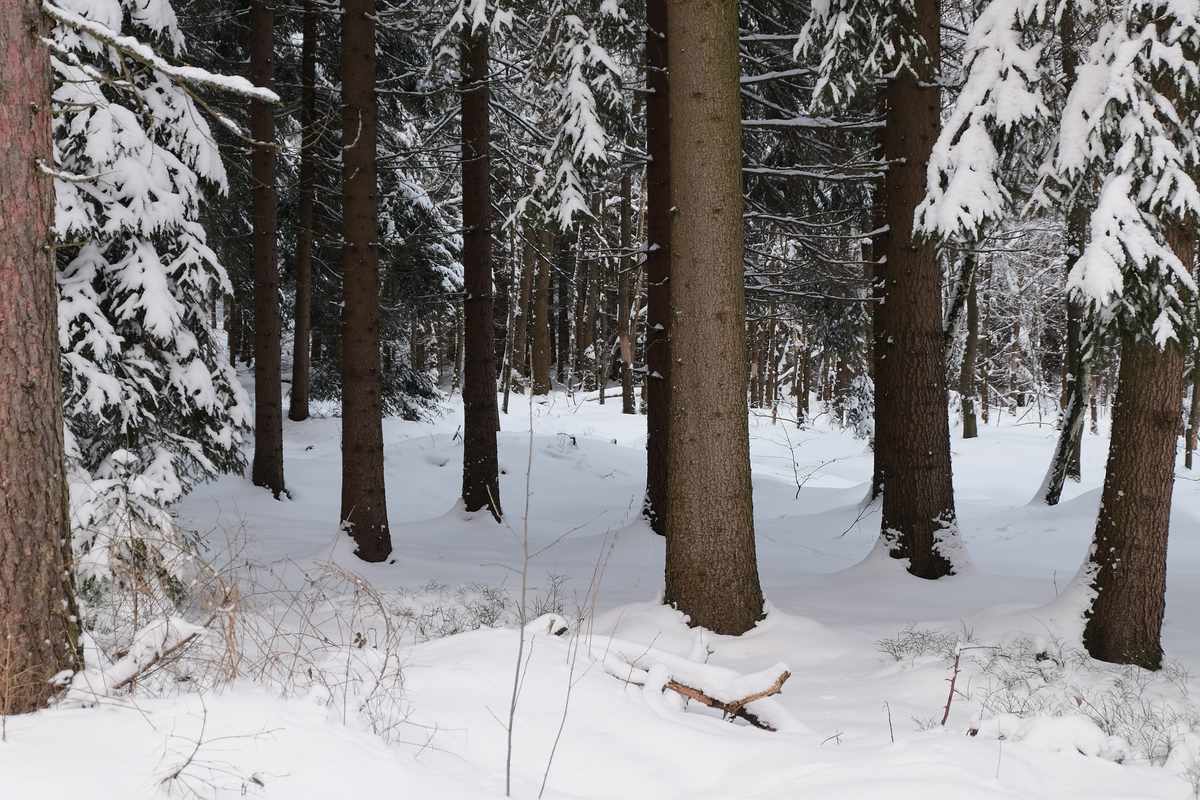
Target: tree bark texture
[[625, 296], [912, 433], [364, 499], [38, 619], [301, 352], [658, 264], [541, 324], [711, 567], [267, 467], [481, 471], [966, 376]]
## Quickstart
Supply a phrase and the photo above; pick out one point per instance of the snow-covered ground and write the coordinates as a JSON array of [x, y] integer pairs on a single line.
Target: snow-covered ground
[[870, 649]]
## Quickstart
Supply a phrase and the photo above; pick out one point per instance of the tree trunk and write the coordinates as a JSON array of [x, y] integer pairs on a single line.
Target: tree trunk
[[520, 346], [267, 468], [1129, 552], [1193, 413], [301, 354], [566, 270], [658, 266], [364, 499], [39, 634], [541, 322], [625, 296], [711, 567], [966, 376], [481, 472], [912, 428], [1065, 462]]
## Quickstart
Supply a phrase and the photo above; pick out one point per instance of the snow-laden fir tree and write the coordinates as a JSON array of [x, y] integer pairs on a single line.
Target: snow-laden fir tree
[[151, 404]]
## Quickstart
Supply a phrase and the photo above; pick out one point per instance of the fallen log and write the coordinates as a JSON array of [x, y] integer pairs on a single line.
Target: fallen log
[[736, 708]]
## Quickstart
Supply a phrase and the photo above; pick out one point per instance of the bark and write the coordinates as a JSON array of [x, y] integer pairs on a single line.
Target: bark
[[481, 472], [301, 354], [711, 567], [364, 500], [1193, 421], [658, 266], [912, 427], [541, 322], [39, 636], [625, 296], [566, 269], [966, 376], [1129, 551], [520, 347], [1065, 462], [267, 467]]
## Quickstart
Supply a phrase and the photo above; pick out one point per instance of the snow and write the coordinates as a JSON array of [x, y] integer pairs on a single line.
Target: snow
[[868, 647]]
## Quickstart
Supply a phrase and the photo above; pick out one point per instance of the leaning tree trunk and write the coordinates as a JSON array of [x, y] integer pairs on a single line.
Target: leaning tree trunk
[[39, 635], [481, 472], [1065, 463], [966, 376], [267, 468], [301, 352], [658, 265], [711, 568], [364, 499], [912, 428]]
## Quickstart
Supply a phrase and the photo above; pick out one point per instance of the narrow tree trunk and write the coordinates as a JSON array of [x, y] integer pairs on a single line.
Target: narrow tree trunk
[[364, 498], [481, 472], [912, 427], [541, 323], [267, 468], [520, 335], [1065, 462], [233, 329], [966, 376], [301, 355], [566, 271], [625, 296], [711, 567], [39, 634], [658, 265], [1193, 422]]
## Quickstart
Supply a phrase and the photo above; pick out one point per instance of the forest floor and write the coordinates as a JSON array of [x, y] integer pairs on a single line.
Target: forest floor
[[350, 686]]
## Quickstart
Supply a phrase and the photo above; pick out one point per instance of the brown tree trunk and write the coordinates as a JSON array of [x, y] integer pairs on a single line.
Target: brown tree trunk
[[1129, 552], [301, 354], [1065, 462], [481, 472], [520, 348], [39, 634], [364, 499], [267, 468], [625, 296], [711, 567], [566, 269], [233, 329], [912, 434], [658, 265], [541, 322], [966, 376]]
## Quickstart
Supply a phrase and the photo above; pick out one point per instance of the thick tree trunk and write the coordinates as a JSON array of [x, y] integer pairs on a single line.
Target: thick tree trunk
[[364, 499], [658, 265], [39, 634], [625, 296], [267, 468], [912, 428], [1129, 552], [301, 354], [711, 567], [966, 376], [481, 472]]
